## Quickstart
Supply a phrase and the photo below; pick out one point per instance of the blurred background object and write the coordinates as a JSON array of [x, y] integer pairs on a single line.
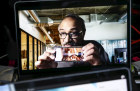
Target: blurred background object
[[135, 38]]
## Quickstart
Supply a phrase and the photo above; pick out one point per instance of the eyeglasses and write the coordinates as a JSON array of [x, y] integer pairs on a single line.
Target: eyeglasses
[[72, 35]]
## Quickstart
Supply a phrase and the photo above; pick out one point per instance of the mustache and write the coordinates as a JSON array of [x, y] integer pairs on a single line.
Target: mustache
[[69, 43]]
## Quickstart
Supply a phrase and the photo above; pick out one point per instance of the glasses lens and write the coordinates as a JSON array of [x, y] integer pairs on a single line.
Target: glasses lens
[[74, 35], [63, 35]]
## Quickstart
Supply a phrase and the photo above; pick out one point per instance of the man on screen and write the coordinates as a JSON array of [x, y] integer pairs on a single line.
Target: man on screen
[[71, 32]]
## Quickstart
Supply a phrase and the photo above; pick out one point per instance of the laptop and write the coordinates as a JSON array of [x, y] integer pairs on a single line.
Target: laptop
[[116, 79], [106, 21]]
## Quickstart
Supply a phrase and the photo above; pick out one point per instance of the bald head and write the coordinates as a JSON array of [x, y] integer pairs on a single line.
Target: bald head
[[76, 20], [68, 24], [73, 28]]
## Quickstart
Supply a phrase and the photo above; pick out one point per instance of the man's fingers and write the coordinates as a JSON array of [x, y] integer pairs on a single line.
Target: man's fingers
[[88, 58], [88, 47], [89, 52], [50, 50], [46, 60], [91, 59], [52, 57], [42, 57], [37, 63], [46, 56], [45, 64]]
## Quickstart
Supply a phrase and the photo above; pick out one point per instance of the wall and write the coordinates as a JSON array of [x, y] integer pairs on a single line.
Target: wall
[[106, 31], [110, 45]]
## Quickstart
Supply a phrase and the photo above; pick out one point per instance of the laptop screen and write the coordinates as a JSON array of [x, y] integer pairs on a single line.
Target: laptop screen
[[40, 25]]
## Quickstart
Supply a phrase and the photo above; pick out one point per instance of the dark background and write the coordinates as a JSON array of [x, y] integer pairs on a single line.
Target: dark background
[[8, 55]]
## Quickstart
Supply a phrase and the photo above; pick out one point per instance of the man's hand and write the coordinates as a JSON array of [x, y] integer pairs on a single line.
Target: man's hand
[[46, 60], [91, 54]]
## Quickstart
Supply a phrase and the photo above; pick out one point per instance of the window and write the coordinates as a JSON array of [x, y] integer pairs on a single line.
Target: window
[[31, 49], [30, 53], [24, 50], [35, 51], [38, 48]]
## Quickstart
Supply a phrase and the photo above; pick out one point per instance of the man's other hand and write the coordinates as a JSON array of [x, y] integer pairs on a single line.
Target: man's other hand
[[46, 60], [91, 54]]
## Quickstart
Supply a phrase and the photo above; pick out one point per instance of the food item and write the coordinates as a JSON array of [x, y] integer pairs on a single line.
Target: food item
[[72, 54]]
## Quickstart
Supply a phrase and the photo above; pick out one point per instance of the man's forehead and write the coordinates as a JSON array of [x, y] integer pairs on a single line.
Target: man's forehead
[[69, 21], [68, 24]]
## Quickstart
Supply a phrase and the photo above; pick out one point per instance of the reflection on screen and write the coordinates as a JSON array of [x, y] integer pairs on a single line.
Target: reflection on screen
[[105, 24], [113, 85]]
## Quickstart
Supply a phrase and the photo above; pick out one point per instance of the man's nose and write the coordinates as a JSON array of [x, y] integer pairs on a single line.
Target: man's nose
[[67, 39]]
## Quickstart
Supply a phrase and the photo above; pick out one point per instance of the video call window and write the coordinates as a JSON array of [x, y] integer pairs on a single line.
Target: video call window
[[105, 24]]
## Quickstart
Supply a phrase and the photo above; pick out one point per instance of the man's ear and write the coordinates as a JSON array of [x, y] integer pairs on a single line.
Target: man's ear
[[83, 34]]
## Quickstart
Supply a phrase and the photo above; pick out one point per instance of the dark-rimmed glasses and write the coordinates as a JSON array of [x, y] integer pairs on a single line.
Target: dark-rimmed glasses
[[72, 35]]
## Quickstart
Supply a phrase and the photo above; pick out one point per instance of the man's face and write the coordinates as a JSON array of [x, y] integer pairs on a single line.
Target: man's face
[[69, 27]]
